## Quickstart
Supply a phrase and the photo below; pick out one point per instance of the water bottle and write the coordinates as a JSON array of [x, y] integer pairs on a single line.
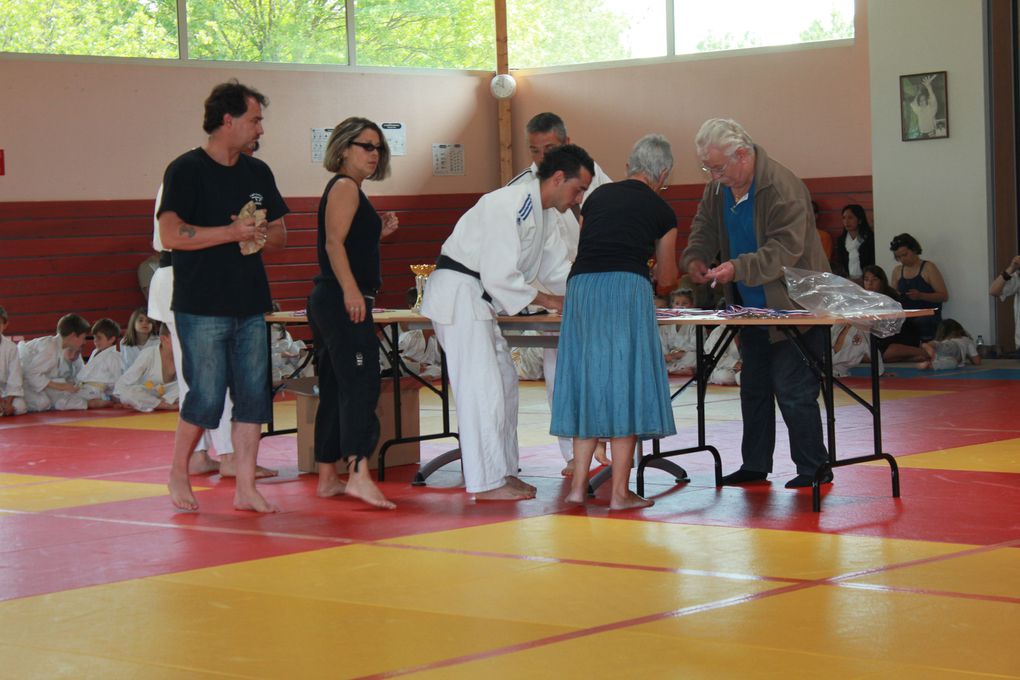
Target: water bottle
[[980, 345]]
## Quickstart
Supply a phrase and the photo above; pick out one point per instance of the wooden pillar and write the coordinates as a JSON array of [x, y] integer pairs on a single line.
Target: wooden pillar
[[504, 120]]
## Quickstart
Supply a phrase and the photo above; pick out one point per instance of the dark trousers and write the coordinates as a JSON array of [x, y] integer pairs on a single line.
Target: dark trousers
[[348, 357], [777, 372]]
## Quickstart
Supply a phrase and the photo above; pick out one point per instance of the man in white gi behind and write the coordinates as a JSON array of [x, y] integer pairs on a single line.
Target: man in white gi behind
[[499, 252], [547, 131]]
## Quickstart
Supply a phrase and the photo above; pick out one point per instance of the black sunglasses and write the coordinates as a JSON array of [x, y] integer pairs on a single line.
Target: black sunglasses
[[368, 146]]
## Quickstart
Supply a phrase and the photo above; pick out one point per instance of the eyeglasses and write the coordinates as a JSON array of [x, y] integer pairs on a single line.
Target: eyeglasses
[[368, 146], [719, 169]]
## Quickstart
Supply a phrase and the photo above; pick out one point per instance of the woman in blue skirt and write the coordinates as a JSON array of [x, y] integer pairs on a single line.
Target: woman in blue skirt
[[611, 380]]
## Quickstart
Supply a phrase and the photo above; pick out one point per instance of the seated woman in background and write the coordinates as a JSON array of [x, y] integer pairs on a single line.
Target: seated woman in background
[[855, 247], [919, 283], [905, 345]]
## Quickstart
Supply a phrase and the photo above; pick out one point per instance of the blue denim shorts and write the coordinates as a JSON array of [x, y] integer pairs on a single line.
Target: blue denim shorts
[[220, 353]]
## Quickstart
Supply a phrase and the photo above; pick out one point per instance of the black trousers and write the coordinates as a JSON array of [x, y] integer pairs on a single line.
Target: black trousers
[[346, 424]]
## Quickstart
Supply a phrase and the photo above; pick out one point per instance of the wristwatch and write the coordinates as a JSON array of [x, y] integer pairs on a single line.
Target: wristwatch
[[1006, 275]]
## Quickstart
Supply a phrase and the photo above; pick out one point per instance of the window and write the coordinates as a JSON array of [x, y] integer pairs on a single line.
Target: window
[[108, 28], [736, 24], [557, 32], [459, 34], [281, 31]]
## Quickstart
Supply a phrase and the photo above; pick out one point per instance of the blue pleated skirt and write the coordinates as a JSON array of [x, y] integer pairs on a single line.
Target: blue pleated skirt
[[611, 378]]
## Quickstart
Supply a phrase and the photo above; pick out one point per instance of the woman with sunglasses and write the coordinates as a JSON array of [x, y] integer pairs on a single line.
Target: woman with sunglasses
[[340, 310]]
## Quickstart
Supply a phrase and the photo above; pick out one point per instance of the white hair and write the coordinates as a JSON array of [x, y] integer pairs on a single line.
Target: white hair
[[725, 134], [651, 156]]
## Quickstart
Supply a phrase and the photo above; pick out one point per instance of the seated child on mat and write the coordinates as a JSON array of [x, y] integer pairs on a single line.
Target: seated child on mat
[[96, 380], [141, 332], [951, 348], [151, 382], [678, 343], [12, 393], [50, 367]]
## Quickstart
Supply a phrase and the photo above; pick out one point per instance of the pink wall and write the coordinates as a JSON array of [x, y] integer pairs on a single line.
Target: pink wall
[[808, 106], [85, 130]]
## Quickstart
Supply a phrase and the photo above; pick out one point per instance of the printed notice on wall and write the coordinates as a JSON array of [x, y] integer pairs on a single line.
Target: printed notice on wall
[[447, 159], [319, 138], [396, 137]]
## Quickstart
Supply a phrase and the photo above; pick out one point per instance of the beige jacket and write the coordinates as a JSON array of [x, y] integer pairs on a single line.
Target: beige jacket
[[784, 223]]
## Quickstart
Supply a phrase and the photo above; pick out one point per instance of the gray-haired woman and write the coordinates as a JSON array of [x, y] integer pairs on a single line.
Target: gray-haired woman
[[611, 380]]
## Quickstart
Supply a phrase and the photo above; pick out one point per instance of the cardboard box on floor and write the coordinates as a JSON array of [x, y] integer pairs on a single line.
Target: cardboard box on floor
[[400, 454]]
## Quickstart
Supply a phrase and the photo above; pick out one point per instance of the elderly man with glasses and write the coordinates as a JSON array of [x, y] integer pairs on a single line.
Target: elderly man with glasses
[[756, 215]]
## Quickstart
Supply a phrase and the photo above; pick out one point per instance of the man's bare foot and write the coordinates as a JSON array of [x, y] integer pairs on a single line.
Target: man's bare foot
[[252, 500], [98, 403], [330, 488], [524, 487], [180, 493], [229, 469], [503, 493], [201, 463], [364, 489], [629, 502], [600, 454], [568, 469]]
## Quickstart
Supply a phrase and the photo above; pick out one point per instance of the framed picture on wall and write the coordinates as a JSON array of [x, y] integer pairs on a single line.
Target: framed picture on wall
[[924, 106]]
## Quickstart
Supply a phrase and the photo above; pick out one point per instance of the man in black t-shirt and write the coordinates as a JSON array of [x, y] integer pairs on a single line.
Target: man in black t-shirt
[[221, 293]]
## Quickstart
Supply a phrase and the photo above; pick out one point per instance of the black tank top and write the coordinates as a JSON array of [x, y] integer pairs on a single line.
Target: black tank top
[[915, 283], [361, 244]]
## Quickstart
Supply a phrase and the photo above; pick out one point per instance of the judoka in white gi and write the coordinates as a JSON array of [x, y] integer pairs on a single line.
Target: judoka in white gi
[[502, 248], [50, 366], [545, 132], [151, 382], [850, 346], [104, 367], [12, 391], [727, 370], [421, 353]]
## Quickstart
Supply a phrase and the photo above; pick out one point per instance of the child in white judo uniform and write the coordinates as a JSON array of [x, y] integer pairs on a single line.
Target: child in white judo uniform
[[850, 347], [12, 393], [141, 332], [104, 367], [727, 370], [678, 341], [151, 382], [50, 367]]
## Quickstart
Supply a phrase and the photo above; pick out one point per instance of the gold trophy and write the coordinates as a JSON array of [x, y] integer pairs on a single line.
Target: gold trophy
[[421, 274]]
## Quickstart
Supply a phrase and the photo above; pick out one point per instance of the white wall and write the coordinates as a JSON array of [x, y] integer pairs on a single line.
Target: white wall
[[937, 190]]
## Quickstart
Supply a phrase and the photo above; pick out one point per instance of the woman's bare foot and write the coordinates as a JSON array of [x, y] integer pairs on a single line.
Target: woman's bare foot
[[578, 497], [521, 486], [568, 470], [252, 500], [503, 493], [363, 488], [629, 502], [600, 454], [180, 493], [201, 463], [924, 365], [329, 488]]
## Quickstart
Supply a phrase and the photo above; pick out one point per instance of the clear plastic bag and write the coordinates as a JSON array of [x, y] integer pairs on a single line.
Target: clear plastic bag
[[826, 294]]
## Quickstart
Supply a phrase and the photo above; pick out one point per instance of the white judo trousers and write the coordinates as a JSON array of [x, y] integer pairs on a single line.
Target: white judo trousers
[[484, 383], [570, 232]]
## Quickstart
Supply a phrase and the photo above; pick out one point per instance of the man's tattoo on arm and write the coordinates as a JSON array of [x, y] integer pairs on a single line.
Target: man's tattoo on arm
[[186, 230]]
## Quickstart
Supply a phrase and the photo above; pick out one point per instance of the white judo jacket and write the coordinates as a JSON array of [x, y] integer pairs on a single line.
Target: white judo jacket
[[511, 242], [566, 222], [141, 386], [10, 369]]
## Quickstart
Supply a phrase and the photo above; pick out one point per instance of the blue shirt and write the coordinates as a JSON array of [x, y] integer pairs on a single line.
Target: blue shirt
[[739, 220]]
